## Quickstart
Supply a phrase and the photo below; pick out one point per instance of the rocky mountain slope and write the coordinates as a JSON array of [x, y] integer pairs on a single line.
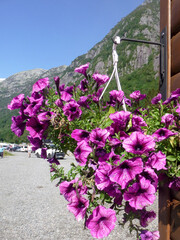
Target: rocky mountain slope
[[138, 63]]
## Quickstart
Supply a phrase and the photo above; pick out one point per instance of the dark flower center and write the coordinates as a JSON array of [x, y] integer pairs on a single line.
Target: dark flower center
[[98, 138], [84, 134], [81, 205], [101, 219], [70, 188], [125, 166], [73, 109], [138, 147], [161, 133]]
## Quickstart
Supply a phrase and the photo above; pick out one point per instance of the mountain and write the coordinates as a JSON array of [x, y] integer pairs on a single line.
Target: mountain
[[138, 64]]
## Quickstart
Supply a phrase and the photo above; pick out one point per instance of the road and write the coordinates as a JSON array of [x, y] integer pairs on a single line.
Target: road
[[31, 207]]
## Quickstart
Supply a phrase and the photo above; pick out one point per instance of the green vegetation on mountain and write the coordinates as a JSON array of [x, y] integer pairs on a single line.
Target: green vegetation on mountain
[[138, 64]]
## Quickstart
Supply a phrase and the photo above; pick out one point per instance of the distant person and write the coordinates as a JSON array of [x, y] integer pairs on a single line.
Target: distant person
[[1, 151], [29, 150]]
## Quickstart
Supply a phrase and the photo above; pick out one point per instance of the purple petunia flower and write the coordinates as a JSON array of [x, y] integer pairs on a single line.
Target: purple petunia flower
[[147, 235], [82, 69], [138, 143], [53, 160], [36, 142], [114, 191], [162, 133], [99, 136], [140, 194], [78, 207], [34, 106], [167, 119], [97, 95], [102, 180], [83, 86], [35, 128], [178, 109], [65, 96], [120, 120], [59, 103], [16, 102], [79, 135], [137, 123], [115, 97], [100, 79], [136, 95], [126, 171], [83, 102], [156, 99], [57, 81], [100, 152], [72, 110], [157, 161], [82, 152], [175, 184], [18, 125], [149, 174], [45, 116], [72, 188], [101, 222], [40, 85], [146, 217]]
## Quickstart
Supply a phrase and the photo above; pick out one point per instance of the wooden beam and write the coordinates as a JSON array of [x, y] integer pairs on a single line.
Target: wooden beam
[[175, 82], [164, 213], [175, 54], [175, 17]]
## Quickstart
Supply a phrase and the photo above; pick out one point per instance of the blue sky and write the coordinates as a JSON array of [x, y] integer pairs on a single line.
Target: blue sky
[[49, 33]]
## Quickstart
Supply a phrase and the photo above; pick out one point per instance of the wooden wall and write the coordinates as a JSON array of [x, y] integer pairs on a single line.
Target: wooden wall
[[169, 202]]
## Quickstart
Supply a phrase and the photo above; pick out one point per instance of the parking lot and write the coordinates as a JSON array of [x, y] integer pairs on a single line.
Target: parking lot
[[31, 207]]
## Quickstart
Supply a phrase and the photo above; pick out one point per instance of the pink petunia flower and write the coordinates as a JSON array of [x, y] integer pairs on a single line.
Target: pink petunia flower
[[78, 207], [146, 217], [100, 79], [102, 176], [40, 85], [79, 135], [82, 69], [120, 120], [101, 222], [126, 171], [156, 99], [16, 102], [157, 161], [162, 134], [18, 125], [82, 152], [140, 194], [136, 95], [72, 188], [147, 235], [139, 143], [99, 136], [167, 119], [72, 110]]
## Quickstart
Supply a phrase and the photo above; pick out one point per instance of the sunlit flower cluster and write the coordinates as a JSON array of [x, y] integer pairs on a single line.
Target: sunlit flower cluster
[[120, 155]]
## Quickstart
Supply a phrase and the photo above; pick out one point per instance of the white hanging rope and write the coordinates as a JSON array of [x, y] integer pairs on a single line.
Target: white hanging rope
[[117, 40]]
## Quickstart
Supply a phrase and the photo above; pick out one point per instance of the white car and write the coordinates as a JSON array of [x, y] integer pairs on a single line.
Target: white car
[[24, 149], [50, 153]]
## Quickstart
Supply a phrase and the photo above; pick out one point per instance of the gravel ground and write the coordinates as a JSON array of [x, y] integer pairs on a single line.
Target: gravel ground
[[31, 207]]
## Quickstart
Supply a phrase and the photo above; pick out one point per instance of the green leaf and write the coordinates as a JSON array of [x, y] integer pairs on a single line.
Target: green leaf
[[171, 158]]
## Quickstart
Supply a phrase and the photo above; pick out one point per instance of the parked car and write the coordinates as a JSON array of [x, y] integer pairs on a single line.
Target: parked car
[[51, 152], [15, 149], [23, 149]]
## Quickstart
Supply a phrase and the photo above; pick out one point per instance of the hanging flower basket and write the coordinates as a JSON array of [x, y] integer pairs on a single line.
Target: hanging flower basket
[[121, 154]]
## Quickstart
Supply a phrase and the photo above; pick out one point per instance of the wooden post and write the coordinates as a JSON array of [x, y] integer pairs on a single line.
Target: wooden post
[[169, 202]]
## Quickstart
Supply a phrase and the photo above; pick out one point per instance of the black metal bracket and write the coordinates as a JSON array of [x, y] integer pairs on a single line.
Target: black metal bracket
[[163, 58]]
